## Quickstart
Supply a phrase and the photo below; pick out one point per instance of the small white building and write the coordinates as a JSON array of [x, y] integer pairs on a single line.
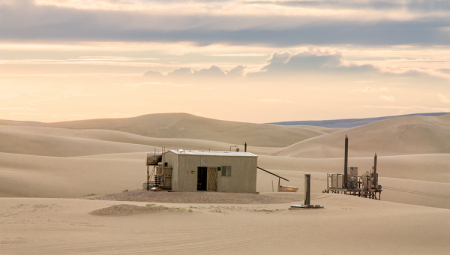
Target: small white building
[[223, 171]]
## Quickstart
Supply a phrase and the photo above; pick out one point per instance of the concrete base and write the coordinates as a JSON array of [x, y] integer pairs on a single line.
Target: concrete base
[[307, 206]]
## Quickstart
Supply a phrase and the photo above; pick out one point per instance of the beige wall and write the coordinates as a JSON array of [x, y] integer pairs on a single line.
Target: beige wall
[[172, 160], [242, 179]]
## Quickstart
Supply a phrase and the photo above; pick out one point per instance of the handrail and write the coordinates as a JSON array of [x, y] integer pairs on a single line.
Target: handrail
[[272, 173]]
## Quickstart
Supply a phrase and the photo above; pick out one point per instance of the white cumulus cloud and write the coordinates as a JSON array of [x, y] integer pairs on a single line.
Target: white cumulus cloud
[[387, 98]]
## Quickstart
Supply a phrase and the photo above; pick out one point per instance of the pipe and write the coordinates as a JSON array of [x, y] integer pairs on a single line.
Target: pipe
[[307, 189], [271, 173], [245, 146], [345, 162], [375, 175]]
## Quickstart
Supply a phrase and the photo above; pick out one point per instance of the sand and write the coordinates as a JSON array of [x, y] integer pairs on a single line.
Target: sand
[[346, 225], [127, 210], [55, 177], [195, 197], [181, 125], [399, 136]]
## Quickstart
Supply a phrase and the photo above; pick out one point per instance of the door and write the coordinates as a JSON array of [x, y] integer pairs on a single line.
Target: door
[[212, 178], [201, 178]]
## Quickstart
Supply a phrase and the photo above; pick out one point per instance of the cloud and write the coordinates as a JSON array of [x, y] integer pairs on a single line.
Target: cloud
[[288, 62], [153, 74], [302, 63], [370, 90], [237, 55], [443, 99], [414, 5], [180, 72], [236, 71], [387, 98], [211, 71], [24, 21], [310, 61], [416, 108]]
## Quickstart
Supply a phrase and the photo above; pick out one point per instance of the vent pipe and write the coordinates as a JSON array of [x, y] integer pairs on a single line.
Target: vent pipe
[[345, 162], [375, 175]]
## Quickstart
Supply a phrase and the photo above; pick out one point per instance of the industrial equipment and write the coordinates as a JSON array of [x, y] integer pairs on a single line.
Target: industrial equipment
[[350, 183], [160, 176]]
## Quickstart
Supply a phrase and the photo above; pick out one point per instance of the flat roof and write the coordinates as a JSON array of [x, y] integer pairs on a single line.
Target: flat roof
[[214, 153]]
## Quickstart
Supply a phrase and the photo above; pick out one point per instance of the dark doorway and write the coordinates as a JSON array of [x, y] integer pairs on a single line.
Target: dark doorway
[[202, 178]]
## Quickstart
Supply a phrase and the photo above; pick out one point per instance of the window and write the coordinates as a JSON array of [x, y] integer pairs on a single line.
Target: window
[[226, 171]]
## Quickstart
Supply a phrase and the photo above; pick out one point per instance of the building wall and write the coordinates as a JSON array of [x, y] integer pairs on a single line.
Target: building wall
[[185, 168], [172, 159]]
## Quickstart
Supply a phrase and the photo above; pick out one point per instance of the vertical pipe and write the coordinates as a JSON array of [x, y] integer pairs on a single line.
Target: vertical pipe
[[375, 176], [245, 146], [307, 189], [345, 162]]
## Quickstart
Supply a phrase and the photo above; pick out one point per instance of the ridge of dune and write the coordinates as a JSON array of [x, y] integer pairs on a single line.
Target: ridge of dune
[[182, 125], [59, 146], [399, 136], [61, 142]]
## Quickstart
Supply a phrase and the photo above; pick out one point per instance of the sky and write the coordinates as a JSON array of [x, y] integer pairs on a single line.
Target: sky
[[239, 60]]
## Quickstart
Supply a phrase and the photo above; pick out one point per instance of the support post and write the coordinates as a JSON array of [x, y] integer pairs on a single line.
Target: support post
[[307, 190], [245, 147], [279, 183]]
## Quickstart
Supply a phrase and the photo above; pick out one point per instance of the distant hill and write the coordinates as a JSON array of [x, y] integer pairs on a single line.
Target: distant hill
[[187, 126], [397, 136], [350, 123]]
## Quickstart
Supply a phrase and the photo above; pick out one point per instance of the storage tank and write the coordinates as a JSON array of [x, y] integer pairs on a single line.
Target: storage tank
[[340, 179], [366, 181], [334, 181]]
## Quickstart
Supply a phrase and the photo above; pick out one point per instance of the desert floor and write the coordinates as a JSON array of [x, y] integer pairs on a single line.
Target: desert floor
[[53, 174]]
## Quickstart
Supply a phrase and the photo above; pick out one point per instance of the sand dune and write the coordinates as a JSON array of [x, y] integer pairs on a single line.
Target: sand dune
[[38, 176], [68, 142], [181, 125], [60, 146], [400, 136], [41, 176], [42, 165]]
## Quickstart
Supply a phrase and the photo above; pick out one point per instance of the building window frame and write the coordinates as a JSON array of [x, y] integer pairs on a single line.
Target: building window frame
[[226, 171]]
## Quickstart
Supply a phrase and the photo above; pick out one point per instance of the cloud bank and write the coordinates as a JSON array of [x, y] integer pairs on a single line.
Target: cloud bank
[[285, 63], [229, 22]]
